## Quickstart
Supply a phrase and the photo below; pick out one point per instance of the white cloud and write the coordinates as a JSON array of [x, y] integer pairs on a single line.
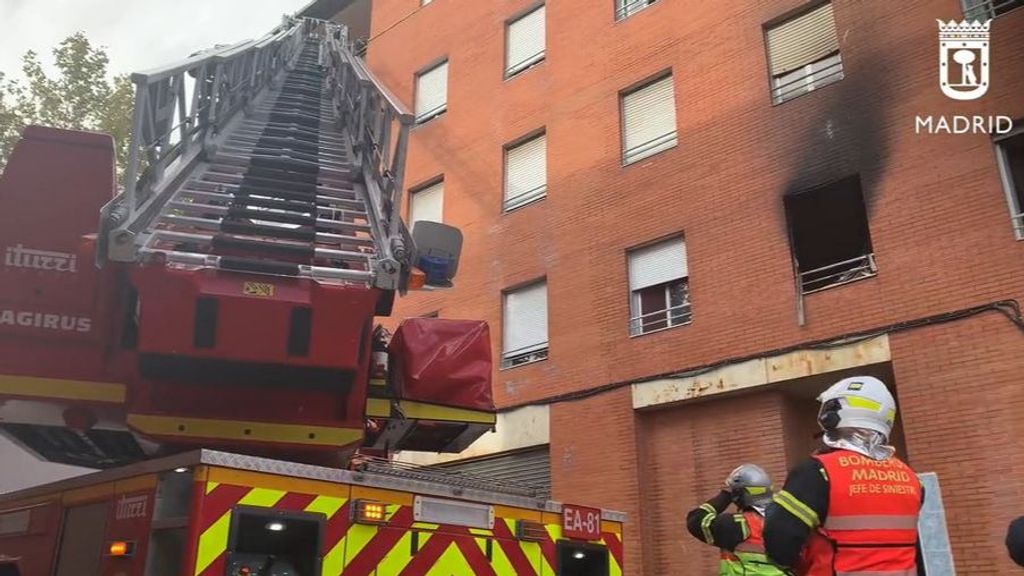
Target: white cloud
[[138, 34]]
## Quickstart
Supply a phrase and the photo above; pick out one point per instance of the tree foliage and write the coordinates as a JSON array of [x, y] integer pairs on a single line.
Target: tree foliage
[[79, 96]]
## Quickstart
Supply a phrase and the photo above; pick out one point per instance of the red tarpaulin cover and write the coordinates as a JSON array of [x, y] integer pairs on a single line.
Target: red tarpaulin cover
[[441, 361]]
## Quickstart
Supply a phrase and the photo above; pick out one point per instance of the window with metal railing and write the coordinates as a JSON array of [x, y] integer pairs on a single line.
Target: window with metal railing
[[648, 120], [982, 10], [659, 291], [626, 8], [1010, 153], [526, 179], [431, 92], [525, 325], [803, 53], [829, 236], [524, 42]]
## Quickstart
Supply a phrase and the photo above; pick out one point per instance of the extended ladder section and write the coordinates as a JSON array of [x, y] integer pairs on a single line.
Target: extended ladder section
[[273, 156]]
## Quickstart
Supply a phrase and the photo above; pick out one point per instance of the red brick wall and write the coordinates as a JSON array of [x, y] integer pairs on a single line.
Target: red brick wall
[[961, 398]]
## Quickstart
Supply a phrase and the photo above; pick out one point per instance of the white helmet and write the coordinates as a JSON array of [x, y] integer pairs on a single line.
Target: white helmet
[[858, 402]]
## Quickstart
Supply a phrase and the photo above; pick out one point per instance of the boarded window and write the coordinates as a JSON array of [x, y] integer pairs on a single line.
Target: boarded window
[[803, 53], [659, 287], [526, 177], [648, 120], [432, 92], [525, 42], [426, 204], [525, 337]]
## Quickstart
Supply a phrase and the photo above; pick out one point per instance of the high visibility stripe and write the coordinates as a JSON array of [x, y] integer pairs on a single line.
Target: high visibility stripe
[[614, 545], [910, 572], [518, 553], [744, 528], [858, 402], [214, 540], [367, 544], [797, 508], [705, 527], [708, 508], [401, 553], [210, 486], [749, 546], [501, 563], [63, 389], [326, 505], [871, 522]]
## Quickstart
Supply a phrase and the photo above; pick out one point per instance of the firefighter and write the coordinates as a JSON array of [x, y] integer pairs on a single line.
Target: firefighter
[[738, 536], [853, 503]]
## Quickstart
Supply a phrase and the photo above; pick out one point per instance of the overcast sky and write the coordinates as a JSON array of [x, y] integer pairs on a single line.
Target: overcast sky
[[138, 34]]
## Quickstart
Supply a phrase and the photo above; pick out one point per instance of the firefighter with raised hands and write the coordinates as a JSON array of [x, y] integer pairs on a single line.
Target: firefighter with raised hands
[[738, 535], [852, 508]]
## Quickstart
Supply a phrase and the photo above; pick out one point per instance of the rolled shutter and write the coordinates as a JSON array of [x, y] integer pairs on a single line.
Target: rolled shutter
[[802, 40], [526, 171], [526, 320], [657, 264], [427, 204], [649, 120], [432, 92], [525, 41], [529, 468]]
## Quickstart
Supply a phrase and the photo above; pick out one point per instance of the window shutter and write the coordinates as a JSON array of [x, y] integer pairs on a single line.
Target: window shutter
[[526, 320], [649, 120], [802, 40], [427, 204], [526, 169], [432, 92], [525, 41], [657, 264]]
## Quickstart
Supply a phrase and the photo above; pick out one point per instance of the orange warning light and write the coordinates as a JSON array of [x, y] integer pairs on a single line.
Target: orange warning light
[[370, 512], [417, 279], [121, 548]]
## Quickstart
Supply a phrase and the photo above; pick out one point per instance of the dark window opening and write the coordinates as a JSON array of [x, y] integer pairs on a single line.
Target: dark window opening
[[581, 559], [269, 542], [1011, 155], [829, 235]]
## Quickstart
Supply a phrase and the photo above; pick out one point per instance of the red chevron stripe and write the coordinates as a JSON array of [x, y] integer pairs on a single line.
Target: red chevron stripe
[[614, 544], [336, 528], [428, 555], [513, 550], [220, 500], [365, 563], [547, 547], [475, 557]]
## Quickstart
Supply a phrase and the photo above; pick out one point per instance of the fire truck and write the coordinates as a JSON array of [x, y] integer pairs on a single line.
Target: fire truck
[[206, 337]]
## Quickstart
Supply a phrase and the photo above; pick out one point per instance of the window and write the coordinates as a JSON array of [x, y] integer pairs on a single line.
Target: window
[[526, 168], [525, 337], [626, 8], [1010, 151], [524, 39], [829, 235], [432, 92], [648, 120], [982, 10], [426, 204], [659, 293], [803, 54]]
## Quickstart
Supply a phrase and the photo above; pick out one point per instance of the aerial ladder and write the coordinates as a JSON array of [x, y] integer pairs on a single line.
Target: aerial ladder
[[227, 298]]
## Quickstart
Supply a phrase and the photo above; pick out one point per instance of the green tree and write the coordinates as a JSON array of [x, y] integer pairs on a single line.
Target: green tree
[[79, 96]]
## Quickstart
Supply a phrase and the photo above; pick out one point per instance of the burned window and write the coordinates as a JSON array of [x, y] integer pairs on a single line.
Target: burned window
[[829, 235], [1011, 165]]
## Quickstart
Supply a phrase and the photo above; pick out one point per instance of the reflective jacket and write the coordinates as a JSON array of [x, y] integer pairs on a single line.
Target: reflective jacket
[[871, 526], [748, 558]]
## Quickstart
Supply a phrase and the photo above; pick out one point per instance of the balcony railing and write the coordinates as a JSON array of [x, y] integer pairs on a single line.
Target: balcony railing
[[838, 274], [985, 9], [524, 355], [677, 315]]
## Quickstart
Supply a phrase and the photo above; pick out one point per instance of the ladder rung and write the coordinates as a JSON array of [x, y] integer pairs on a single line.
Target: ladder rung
[[322, 273], [284, 247], [323, 202]]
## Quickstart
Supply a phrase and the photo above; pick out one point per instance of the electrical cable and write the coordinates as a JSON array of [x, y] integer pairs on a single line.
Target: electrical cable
[[1008, 308]]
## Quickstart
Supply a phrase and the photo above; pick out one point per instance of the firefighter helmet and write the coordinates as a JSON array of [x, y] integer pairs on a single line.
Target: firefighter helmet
[[858, 402], [750, 486]]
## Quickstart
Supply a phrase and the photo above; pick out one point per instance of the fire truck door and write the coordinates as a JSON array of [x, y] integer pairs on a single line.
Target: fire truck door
[[581, 559], [82, 539], [267, 542]]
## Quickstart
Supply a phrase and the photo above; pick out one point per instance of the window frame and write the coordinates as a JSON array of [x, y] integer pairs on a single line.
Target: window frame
[[440, 110], [990, 10], [624, 158], [507, 205], [622, 13], [1015, 204], [636, 314], [520, 67], [423, 187], [532, 356], [807, 68]]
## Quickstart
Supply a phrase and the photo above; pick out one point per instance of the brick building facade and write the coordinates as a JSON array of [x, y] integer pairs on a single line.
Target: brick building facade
[[648, 406]]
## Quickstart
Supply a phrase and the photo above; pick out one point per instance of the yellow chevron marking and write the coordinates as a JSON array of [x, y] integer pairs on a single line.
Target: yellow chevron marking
[[326, 505], [451, 563], [401, 554], [210, 486], [358, 536], [214, 541], [500, 562], [481, 532]]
